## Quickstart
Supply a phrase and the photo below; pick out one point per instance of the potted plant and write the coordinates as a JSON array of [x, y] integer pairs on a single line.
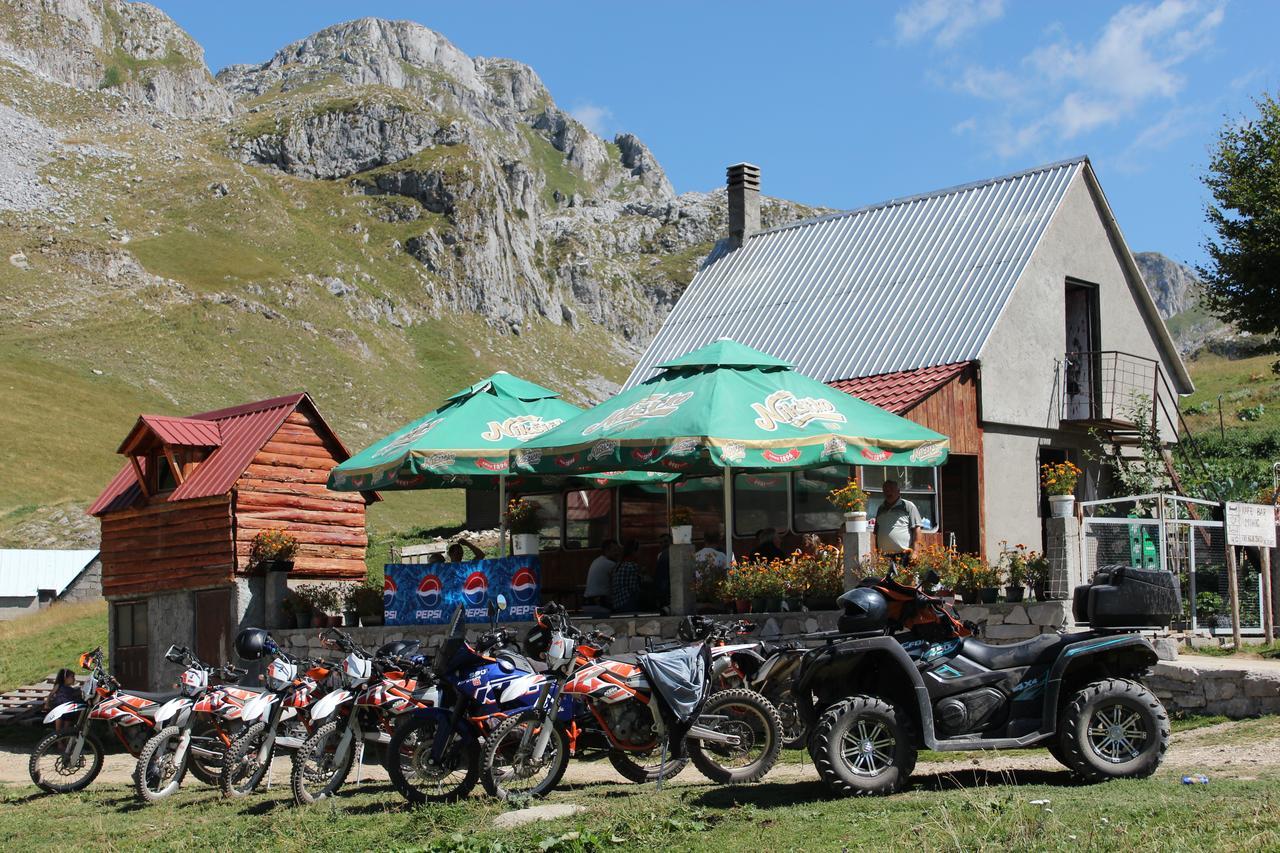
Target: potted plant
[[310, 611], [851, 500], [273, 550], [1014, 563], [736, 587], [1038, 575], [1059, 483], [523, 522], [369, 602], [681, 525], [350, 610], [989, 578]]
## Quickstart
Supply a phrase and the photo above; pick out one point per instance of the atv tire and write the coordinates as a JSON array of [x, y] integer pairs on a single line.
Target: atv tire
[[1113, 729], [864, 745]]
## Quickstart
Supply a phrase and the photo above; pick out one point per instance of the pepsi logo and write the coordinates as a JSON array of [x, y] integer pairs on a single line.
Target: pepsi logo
[[388, 592], [429, 591], [475, 589], [524, 586], [875, 454]]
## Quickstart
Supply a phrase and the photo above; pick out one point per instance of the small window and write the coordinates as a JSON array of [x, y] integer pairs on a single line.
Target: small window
[[644, 512], [549, 514], [759, 501], [588, 515], [131, 624], [809, 498], [165, 481], [918, 485], [704, 497]]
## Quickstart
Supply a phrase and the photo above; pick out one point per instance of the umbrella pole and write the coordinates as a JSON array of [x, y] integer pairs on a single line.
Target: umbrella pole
[[728, 513], [502, 515]]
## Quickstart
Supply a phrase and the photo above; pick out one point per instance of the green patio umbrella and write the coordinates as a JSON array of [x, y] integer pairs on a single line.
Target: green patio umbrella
[[727, 406]]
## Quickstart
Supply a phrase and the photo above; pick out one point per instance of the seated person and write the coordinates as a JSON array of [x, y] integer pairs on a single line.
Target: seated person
[[435, 557], [768, 545], [625, 580], [455, 551], [599, 575], [712, 550]]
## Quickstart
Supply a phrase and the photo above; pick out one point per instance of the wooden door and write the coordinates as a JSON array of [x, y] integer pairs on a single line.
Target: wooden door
[[961, 502], [129, 658], [213, 625]]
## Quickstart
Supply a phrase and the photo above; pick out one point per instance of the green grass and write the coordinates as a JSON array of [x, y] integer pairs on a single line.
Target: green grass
[[1242, 383], [1266, 650], [32, 647]]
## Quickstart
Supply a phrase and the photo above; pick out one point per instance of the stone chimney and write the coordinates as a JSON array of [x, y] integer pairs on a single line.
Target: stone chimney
[[744, 201]]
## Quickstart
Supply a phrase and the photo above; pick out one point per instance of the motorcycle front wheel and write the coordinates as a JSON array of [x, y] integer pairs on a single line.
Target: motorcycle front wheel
[[52, 769], [316, 775], [159, 772], [242, 771], [751, 718], [509, 764], [419, 778]]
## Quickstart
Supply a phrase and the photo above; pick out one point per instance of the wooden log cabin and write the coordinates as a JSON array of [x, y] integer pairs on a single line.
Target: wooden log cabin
[[178, 522]]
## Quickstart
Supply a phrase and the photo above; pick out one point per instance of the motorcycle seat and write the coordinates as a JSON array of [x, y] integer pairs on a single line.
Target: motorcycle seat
[[154, 697], [521, 662], [1039, 649]]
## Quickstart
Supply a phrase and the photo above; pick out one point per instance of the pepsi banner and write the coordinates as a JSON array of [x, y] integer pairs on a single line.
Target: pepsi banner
[[427, 594]]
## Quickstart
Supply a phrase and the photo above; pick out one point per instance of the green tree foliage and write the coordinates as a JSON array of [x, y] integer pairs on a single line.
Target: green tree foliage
[[1242, 277]]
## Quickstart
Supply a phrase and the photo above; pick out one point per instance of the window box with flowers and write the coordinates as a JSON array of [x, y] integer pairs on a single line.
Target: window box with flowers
[[273, 550], [1059, 483], [851, 500], [524, 524]]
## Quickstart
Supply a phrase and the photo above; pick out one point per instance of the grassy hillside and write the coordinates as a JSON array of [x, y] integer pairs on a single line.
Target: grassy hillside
[[32, 647], [1242, 443]]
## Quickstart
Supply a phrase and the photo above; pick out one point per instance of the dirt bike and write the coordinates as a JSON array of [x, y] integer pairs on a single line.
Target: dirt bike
[[873, 698], [435, 754], [767, 668], [184, 738], [373, 694], [69, 759], [273, 718], [661, 699]]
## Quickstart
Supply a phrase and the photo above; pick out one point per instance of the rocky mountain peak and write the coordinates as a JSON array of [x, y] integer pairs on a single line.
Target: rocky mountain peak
[[1174, 286], [131, 49]]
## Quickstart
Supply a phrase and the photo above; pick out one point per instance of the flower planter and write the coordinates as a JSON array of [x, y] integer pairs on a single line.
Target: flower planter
[[334, 620], [855, 522], [1014, 594], [350, 618], [988, 594], [682, 534], [1062, 506], [524, 543], [1041, 590], [319, 620], [743, 605]]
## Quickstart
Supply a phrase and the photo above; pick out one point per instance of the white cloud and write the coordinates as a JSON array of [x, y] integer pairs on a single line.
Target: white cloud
[[1066, 89], [594, 118], [946, 21]]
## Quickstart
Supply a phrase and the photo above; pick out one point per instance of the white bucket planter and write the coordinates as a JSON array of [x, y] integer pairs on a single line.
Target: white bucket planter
[[855, 522], [1062, 506], [682, 534], [524, 543]]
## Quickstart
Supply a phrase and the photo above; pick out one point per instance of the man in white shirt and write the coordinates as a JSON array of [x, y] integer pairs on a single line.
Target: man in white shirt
[[712, 552], [897, 525], [600, 574]]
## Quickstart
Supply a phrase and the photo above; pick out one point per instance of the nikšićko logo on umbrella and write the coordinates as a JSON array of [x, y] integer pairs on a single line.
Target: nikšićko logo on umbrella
[[520, 428], [653, 406], [783, 407], [400, 442]]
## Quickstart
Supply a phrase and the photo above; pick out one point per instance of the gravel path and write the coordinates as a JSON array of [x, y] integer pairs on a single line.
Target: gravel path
[[1236, 749]]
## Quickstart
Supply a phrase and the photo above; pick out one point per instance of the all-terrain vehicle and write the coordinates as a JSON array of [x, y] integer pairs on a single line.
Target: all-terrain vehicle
[[872, 697]]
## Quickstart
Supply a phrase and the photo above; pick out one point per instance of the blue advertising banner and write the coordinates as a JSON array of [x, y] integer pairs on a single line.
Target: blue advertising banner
[[427, 594]]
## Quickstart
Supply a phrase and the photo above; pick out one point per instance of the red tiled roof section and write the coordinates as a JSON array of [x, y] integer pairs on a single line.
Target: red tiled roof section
[[242, 431], [897, 392]]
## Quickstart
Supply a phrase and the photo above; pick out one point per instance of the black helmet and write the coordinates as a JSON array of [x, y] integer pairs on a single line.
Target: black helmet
[[864, 610], [399, 648], [536, 643], [694, 628], [251, 643]]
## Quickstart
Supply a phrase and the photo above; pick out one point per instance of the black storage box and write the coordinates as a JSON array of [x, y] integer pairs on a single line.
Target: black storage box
[[1128, 597]]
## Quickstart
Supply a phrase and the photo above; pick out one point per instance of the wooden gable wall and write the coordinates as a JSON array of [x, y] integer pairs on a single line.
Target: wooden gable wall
[[162, 546]]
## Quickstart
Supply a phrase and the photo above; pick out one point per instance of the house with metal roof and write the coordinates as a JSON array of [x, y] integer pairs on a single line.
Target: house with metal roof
[[31, 578], [1007, 314], [179, 521]]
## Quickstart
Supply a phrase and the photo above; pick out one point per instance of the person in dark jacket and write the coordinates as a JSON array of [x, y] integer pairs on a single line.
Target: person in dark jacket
[[64, 689]]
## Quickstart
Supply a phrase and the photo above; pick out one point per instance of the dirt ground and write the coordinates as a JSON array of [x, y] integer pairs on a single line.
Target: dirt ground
[[1234, 750]]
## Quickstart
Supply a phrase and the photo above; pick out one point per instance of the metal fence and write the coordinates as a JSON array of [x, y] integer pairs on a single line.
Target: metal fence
[[1182, 535]]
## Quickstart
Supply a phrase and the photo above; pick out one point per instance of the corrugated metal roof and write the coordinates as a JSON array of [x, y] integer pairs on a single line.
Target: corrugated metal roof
[[186, 432], [898, 392], [243, 431], [23, 572], [910, 283]]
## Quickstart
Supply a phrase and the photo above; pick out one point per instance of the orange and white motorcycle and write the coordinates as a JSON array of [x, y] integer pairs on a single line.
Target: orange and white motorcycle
[[185, 737], [653, 702], [70, 758]]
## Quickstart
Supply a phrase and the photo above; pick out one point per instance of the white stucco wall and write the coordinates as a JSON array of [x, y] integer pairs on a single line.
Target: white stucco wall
[[1020, 359]]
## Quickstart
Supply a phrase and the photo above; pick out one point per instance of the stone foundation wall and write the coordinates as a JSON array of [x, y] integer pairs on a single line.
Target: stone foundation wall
[[1191, 687], [1011, 623]]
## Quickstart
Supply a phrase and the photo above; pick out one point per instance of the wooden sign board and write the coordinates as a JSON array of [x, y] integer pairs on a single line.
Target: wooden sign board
[[1251, 525]]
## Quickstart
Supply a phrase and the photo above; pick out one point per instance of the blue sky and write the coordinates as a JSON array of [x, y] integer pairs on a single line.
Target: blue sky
[[848, 104]]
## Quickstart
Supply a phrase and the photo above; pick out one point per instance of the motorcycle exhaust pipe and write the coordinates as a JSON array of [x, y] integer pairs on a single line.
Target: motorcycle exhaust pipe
[[712, 736]]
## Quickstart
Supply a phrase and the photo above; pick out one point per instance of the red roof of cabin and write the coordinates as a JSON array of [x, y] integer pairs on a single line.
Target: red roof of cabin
[[900, 391], [183, 432], [242, 431]]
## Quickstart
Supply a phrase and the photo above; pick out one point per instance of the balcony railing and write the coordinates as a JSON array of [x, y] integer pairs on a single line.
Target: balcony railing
[[1110, 387]]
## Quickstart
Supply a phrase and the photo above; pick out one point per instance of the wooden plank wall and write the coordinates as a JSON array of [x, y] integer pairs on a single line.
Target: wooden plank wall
[[167, 546], [284, 486]]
